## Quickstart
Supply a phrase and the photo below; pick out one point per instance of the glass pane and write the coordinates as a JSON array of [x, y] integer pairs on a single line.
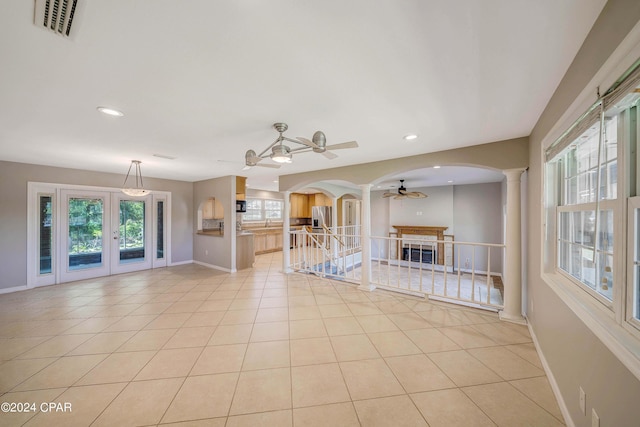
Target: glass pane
[[564, 226], [131, 230], [605, 276], [588, 228], [606, 231], [575, 232], [572, 191], [160, 231], [576, 260], [564, 256], [588, 271], [45, 241], [85, 233]]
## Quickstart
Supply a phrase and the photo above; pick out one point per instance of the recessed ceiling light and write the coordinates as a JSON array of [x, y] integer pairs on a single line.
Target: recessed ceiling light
[[436, 167], [276, 181], [410, 137], [449, 181], [110, 111]]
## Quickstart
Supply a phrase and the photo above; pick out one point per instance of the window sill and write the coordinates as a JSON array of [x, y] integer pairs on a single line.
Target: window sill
[[620, 341]]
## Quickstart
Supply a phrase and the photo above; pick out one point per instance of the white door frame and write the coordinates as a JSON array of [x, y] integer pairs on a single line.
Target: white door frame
[[37, 189]]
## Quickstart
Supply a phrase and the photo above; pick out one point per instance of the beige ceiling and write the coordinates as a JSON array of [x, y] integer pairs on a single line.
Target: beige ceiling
[[204, 81]]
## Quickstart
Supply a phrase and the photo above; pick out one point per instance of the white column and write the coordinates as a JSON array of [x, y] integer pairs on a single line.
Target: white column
[[365, 283], [334, 225], [286, 237], [513, 253]]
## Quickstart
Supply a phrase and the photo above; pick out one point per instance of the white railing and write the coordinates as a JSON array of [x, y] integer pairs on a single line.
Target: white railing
[[465, 272]]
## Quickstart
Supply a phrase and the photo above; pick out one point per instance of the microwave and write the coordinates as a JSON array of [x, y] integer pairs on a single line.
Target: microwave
[[241, 205]]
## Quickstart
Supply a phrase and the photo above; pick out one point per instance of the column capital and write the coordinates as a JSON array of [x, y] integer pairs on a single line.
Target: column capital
[[513, 174], [365, 186]]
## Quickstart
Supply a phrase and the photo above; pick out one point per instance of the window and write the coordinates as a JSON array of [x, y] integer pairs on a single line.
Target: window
[[590, 177], [263, 209]]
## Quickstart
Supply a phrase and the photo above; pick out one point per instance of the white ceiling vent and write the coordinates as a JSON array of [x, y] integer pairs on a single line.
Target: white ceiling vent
[[56, 15]]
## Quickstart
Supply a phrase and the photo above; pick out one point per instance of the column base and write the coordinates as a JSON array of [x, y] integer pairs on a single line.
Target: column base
[[367, 288], [520, 320], [286, 271]]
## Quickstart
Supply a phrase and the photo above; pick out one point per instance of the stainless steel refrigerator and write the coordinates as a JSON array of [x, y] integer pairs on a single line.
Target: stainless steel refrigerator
[[320, 215]]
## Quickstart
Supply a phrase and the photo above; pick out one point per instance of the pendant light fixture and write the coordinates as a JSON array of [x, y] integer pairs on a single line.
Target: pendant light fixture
[[138, 190]]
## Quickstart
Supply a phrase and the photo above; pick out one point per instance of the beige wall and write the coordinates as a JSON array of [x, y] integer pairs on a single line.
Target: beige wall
[[215, 250], [577, 358], [501, 155], [13, 211]]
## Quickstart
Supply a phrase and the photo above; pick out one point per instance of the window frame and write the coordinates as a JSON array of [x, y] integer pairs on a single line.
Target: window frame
[[264, 210], [611, 325]]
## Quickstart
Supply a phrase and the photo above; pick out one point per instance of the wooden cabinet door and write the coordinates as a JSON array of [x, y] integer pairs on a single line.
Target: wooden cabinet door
[[279, 241], [271, 241], [218, 211], [207, 209], [260, 242], [294, 208]]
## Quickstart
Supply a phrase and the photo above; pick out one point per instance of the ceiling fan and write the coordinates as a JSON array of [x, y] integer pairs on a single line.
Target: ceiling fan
[[281, 153], [403, 193]]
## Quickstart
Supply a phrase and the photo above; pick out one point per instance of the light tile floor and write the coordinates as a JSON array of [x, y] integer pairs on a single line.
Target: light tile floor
[[198, 347]]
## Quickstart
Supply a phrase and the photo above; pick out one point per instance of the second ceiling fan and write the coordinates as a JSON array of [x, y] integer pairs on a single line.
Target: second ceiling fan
[[403, 193], [281, 153]]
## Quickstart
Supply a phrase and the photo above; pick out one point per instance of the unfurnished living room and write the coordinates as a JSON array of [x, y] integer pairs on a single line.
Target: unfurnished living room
[[383, 213]]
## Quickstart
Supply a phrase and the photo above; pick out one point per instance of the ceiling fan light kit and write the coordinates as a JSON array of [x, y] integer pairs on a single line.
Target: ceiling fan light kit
[[403, 193], [281, 153]]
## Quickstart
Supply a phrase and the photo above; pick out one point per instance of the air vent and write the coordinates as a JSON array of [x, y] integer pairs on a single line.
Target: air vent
[[56, 15]]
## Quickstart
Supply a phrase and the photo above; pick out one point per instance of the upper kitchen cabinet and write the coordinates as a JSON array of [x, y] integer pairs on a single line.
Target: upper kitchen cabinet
[[319, 199], [300, 207], [241, 185], [212, 209]]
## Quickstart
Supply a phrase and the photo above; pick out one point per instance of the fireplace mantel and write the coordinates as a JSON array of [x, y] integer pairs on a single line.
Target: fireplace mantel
[[422, 230]]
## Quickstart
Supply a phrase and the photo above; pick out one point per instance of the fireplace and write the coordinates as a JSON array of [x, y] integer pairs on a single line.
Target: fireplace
[[413, 254]]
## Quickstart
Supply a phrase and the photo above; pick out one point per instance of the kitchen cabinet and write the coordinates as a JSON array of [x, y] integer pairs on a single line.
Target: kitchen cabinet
[[245, 251], [267, 240], [212, 209], [319, 199], [299, 205]]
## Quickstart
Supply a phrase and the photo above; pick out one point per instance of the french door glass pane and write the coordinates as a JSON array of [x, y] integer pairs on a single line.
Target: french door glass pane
[[85, 233], [45, 240], [160, 233], [131, 230]]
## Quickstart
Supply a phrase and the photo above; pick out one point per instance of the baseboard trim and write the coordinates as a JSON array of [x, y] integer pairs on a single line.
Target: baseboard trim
[[552, 381], [215, 267], [13, 289], [189, 261]]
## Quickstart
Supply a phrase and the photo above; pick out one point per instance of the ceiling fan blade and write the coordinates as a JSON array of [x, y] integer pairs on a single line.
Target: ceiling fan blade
[[400, 196], [387, 194], [413, 195], [329, 155], [402, 191], [306, 142], [268, 165], [350, 144]]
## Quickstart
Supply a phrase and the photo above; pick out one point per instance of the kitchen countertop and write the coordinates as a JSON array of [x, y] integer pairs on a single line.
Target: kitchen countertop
[[214, 232]]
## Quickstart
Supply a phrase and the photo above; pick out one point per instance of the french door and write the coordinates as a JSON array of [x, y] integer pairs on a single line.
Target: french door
[[81, 234], [84, 228]]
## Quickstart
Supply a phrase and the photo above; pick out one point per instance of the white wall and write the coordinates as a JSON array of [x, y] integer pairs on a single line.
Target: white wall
[[435, 210]]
